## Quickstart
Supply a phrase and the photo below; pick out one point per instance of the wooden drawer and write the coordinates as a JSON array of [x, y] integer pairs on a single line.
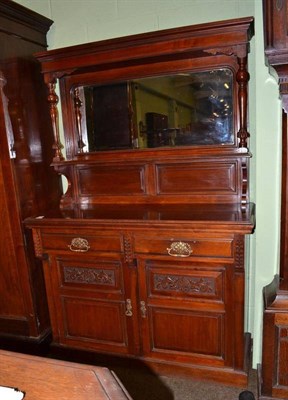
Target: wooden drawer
[[81, 243], [183, 247]]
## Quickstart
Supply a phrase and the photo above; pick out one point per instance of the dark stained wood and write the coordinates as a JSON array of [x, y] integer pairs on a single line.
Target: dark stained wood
[[273, 373], [27, 182], [125, 267], [144, 258], [173, 50], [41, 378]]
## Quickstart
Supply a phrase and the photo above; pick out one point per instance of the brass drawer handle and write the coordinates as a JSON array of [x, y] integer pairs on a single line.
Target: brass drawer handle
[[79, 245], [179, 249]]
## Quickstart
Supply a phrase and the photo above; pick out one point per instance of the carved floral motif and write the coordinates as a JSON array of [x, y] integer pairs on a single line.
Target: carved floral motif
[[184, 284], [89, 276], [222, 50]]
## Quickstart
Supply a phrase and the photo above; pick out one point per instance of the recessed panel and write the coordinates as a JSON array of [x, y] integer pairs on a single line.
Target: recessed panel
[[203, 332], [96, 321], [196, 178], [112, 180]]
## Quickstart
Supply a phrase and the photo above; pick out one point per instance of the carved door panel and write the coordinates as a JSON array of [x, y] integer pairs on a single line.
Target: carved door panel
[[184, 316], [90, 304]]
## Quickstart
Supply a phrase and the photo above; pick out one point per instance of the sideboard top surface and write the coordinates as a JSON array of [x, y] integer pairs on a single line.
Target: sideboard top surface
[[198, 216]]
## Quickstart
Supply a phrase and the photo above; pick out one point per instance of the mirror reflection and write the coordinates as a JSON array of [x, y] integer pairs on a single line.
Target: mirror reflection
[[179, 110]]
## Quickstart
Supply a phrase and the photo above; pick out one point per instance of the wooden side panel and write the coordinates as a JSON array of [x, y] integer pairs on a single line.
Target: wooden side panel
[[12, 302], [197, 178], [274, 371], [208, 180], [111, 180], [275, 17]]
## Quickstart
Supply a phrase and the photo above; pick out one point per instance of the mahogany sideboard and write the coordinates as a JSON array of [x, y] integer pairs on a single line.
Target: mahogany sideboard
[[144, 258]]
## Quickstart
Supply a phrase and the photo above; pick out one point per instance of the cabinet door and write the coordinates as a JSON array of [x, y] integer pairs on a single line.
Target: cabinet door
[[184, 316], [89, 302]]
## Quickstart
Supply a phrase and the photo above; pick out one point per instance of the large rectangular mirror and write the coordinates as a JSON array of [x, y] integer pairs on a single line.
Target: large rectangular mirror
[[184, 109]]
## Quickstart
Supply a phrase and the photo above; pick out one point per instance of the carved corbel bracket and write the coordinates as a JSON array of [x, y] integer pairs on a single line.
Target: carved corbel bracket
[[280, 72], [68, 198], [237, 50], [37, 243], [283, 87]]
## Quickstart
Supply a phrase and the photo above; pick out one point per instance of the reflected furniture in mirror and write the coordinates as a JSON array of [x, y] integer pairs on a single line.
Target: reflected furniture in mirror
[[144, 258], [273, 372], [181, 109]]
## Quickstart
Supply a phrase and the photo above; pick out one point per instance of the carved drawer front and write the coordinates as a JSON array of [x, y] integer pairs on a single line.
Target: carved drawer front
[[98, 275], [185, 284], [185, 247], [80, 242]]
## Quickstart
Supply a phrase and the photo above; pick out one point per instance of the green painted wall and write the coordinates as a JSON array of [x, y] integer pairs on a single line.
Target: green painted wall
[[79, 21]]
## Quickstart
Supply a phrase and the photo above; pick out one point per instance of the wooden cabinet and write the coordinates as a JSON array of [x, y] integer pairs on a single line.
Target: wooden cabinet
[[25, 184], [273, 372], [144, 258], [155, 292], [94, 287]]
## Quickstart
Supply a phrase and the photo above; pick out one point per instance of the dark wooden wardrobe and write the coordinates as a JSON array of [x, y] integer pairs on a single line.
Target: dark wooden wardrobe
[[273, 374], [27, 182]]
